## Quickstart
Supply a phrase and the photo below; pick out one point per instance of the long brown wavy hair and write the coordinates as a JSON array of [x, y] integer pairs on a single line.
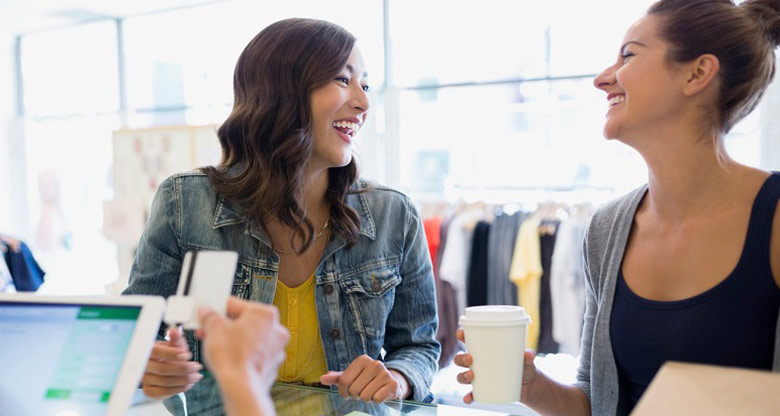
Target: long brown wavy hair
[[267, 138]]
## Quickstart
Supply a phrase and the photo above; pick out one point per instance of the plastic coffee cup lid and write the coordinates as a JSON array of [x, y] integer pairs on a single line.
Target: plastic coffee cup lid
[[495, 315]]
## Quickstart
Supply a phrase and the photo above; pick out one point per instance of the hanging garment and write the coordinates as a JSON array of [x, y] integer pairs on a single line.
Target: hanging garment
[[501, 247], [443, 234], [476, 286], [547, 234], [446, 303], [526, 273], [567, 285], [454, 266], [6, 281], [448, 322], [25, 271], [432, 228]]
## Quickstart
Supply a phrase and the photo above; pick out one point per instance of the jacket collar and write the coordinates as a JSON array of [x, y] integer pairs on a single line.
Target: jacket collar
[[359, 202], [226, 213]]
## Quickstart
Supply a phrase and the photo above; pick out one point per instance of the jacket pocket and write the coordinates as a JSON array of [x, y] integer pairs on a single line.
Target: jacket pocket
[[371, 293], [241, 281]]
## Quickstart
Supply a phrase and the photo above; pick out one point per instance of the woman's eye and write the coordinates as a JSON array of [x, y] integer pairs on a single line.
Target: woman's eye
[[627, 55], [345, 80], [366, 88]]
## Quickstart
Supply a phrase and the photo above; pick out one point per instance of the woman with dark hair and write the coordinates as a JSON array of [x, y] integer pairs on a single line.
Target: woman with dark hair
[[344, 261], [687, 267]]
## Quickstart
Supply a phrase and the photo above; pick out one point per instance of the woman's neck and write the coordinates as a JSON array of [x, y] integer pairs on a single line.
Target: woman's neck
[[686, 174], [313, 201], [314, 190]]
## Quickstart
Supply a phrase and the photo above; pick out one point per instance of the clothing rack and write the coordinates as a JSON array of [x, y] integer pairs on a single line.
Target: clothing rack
[[571, 194], [475, 248]]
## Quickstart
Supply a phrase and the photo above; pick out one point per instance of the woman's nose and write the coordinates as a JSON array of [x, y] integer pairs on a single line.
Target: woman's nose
[[360, 99], [605, 78]]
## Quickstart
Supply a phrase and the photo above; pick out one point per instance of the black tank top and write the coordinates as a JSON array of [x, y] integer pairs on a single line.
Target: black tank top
[[732, 324]]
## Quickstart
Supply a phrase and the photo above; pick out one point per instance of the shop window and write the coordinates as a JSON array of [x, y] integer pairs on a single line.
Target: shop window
[[71, 71], [185, 58], [436, 42]]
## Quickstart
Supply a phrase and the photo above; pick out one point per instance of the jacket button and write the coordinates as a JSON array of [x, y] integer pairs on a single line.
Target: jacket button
[[328, 289], [376, 286], [335, 333]]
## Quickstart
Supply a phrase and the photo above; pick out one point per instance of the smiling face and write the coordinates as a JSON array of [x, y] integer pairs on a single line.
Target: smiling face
[[339, 109], [643, 91]]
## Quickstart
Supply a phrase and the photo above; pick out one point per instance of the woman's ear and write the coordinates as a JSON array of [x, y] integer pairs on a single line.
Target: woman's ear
[[700, 74]]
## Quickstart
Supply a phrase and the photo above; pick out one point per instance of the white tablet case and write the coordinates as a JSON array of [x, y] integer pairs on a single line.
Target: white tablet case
[[139, 347]]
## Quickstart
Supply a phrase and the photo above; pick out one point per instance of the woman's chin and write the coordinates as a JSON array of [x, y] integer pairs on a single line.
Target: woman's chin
[[610, 132], [340, 163]]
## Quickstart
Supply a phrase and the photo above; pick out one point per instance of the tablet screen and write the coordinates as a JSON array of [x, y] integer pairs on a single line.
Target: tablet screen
[[61, 360]]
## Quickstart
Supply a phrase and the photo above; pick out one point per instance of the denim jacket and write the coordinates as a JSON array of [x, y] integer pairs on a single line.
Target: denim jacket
[[378, 295]]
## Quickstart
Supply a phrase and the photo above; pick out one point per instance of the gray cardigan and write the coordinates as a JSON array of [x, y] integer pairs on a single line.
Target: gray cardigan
[[603, 250]]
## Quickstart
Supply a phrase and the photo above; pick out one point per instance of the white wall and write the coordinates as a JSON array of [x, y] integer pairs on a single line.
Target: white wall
[[7, 111], [770, 124], [14, 219]]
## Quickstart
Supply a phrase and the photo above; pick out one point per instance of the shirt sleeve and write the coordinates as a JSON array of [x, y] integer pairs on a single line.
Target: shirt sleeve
[[591, 306], [410, 340], [158, 257]]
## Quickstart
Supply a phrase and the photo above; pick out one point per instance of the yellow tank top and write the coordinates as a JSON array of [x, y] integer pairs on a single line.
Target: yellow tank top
[[305, 361]]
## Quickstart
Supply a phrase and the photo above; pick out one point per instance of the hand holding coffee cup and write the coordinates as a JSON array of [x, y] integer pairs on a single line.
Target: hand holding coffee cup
[[466, 377], [500, 369]]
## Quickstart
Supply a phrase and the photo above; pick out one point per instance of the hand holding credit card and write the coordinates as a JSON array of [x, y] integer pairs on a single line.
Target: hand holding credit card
[[206, 280]]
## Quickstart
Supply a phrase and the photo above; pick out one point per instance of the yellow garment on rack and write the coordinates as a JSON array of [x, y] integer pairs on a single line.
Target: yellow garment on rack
[[305, 360], [526, 273]]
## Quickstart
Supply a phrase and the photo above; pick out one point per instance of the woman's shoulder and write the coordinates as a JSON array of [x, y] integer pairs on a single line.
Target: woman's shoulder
[[610, 226], [378, 195], [189, 181], [382, 205], [618, 210], [190, 189], [190, 175]]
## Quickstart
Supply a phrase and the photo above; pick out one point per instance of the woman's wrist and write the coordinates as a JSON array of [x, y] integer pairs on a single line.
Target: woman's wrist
[[243, 393], [403, 383], [235, 374], [529, 389], [547, 397]]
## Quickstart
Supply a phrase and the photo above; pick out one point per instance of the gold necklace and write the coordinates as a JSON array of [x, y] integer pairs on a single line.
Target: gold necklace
[[311, 285], [302, 297], [316, 236]]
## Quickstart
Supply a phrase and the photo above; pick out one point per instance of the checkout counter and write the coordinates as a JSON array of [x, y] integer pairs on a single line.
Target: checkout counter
[[298, 400]]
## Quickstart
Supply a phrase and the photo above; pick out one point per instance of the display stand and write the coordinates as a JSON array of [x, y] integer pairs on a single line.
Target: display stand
[[142, 160]]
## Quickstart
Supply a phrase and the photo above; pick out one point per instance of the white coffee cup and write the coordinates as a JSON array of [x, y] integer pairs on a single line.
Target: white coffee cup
[[495, 338]]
